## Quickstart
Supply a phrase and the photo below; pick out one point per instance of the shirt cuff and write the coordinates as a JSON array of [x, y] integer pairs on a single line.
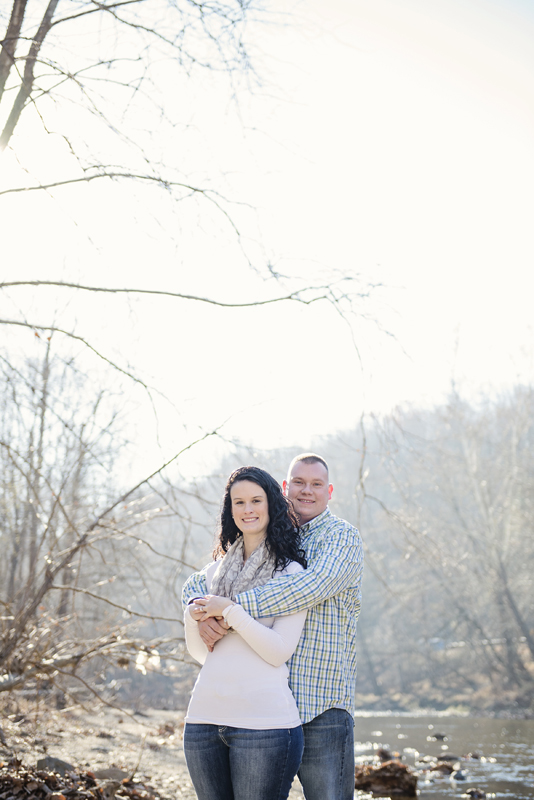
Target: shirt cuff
[[249, 603], [228, 609], [235, 615]]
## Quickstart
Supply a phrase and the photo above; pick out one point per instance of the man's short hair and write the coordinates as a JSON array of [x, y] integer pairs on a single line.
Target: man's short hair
[[308, 458]]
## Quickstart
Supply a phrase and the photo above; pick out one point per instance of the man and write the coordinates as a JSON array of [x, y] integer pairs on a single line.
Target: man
[[322, 671]]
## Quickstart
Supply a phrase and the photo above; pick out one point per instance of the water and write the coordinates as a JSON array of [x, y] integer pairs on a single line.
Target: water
[[506, 747]]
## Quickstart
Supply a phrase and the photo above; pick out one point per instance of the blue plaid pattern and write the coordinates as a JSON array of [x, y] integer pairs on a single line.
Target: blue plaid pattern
[[322, 670]]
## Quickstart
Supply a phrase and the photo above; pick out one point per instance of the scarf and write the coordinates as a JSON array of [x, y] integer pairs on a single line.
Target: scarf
[[233, 576]]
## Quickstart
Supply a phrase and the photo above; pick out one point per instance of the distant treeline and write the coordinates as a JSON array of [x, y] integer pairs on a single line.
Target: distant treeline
[[443, 498]]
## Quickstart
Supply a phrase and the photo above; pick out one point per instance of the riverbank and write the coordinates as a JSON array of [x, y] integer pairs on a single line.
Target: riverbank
[[509, 705], [146, 746], [143, 750]]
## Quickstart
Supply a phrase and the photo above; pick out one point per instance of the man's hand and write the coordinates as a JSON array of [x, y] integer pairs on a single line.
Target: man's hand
[[211, 630]]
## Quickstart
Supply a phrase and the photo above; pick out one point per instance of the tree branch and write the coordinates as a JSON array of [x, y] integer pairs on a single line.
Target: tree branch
[[87, 178], [79, 590], [26, 87], [54, 329], [96, 9], [296, 296], [9, 44], [127, 494]]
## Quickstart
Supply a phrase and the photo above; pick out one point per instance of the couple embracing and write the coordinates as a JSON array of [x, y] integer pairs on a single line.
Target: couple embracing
[[284, 586]]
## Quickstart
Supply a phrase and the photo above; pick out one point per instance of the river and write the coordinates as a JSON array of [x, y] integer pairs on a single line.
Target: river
[[504, 770]]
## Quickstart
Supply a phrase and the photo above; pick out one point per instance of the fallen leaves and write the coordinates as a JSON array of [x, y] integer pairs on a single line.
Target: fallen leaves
[[20, 782]]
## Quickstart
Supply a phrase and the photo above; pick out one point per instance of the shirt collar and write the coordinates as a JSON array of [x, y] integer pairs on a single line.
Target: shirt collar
[[310, 526]]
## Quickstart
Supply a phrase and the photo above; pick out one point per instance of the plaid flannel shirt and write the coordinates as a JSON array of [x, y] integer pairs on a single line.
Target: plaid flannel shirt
[[322, 670]]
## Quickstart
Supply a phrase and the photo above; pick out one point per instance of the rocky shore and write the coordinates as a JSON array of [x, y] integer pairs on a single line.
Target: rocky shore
[[143, 751]]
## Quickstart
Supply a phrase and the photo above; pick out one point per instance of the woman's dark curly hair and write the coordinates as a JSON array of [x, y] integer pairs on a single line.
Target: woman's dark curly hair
[[283, 536]]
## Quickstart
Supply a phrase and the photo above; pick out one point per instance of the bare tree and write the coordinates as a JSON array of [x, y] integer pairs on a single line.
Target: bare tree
[[78, 552], [64, 51], [103, 77], [462, 479], [443, 497], [99, 75]]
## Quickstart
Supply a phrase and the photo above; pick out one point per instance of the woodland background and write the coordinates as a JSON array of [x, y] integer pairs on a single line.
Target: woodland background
[[91, 575], [93, 561]]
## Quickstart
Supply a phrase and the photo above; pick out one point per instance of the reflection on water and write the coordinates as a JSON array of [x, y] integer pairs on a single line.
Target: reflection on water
[[505, 768]]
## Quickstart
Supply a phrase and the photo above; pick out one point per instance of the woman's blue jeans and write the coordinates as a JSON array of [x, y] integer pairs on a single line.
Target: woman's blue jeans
[[228, 763]]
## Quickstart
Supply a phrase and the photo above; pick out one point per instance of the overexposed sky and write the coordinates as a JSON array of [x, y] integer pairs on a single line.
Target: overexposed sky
[[390, 139]]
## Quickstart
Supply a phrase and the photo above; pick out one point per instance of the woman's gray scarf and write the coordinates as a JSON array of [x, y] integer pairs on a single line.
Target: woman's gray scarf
[[232, 576]]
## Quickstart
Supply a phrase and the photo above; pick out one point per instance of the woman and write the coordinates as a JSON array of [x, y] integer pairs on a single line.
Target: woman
[[243, 738]]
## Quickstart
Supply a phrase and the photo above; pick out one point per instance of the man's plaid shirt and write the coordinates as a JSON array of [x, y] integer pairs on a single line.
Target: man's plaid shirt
[[322, 670]]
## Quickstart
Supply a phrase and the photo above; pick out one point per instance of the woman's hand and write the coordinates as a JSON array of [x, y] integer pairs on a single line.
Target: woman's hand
[[197, 612], [210, 606]]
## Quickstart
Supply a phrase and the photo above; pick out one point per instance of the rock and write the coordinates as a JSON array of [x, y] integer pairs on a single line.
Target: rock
[[387, 780], [475, 794], [52, 764], [444, 767], [459, 775], [111, 773], [386, 755], [447, 757], [108, 789]]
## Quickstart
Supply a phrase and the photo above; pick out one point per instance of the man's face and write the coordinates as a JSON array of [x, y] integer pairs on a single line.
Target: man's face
[[308, 489]]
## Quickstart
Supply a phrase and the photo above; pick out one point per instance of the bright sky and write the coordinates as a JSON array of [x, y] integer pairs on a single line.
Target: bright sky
[[391, 139]]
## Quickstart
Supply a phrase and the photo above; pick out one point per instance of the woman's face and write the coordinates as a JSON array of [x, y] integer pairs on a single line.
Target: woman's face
[[250, 508]]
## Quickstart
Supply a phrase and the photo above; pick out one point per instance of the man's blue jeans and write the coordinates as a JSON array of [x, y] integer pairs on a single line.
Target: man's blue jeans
[[228, 763], [327, 768]]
